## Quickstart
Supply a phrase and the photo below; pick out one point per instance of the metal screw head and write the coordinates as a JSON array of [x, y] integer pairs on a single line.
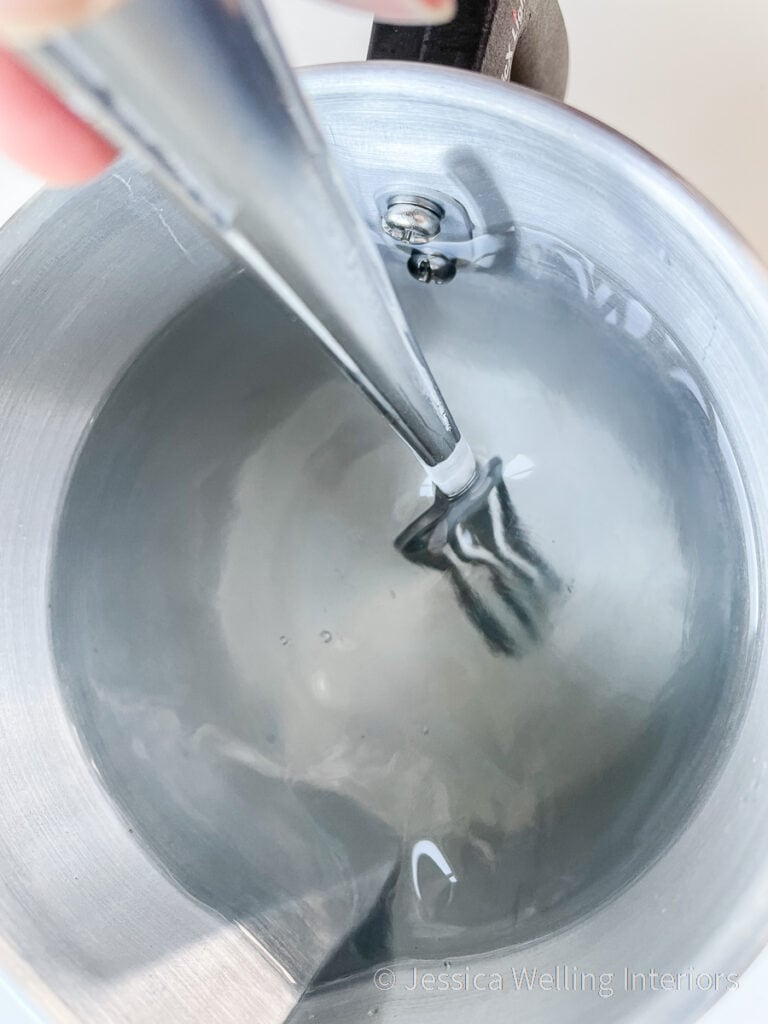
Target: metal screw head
[[412, 219], [431, 268]]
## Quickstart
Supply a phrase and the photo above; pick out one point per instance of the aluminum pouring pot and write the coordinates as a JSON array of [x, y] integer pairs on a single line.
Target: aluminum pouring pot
[[200, 599]]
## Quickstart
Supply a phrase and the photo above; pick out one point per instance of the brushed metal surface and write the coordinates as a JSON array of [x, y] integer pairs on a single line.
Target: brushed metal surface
[[96, 911]]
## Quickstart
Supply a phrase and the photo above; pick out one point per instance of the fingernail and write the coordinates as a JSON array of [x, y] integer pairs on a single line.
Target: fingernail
[[415, 12]]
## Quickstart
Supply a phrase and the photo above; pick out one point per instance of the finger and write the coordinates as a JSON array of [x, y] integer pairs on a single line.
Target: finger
[[41, 134], [23, 19], [405, 12]]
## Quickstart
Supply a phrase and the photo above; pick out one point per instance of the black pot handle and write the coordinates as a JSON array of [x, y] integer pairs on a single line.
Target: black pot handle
[[521, 41]]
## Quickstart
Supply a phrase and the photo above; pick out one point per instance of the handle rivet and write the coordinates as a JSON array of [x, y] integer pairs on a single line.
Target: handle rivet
[[431, 268], [412, 219]]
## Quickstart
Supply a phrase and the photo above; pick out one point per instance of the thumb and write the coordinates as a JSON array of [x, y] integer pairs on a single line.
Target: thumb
[[23, 18]]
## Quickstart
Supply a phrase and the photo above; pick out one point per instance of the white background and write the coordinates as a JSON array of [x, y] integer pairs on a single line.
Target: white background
[[686, 78]]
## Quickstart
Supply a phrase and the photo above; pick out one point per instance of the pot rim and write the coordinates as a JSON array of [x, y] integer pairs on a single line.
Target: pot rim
[[738, 936]]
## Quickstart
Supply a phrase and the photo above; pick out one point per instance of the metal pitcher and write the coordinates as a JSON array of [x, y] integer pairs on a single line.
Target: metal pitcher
[[219, 679]]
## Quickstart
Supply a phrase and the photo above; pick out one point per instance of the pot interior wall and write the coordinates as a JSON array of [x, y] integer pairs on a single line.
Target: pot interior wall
[[231, 620]]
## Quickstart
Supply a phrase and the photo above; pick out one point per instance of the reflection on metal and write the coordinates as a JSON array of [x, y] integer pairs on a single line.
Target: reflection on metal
[[426, 848]]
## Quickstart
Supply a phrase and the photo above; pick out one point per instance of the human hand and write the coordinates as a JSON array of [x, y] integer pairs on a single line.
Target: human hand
[[40, 133]]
